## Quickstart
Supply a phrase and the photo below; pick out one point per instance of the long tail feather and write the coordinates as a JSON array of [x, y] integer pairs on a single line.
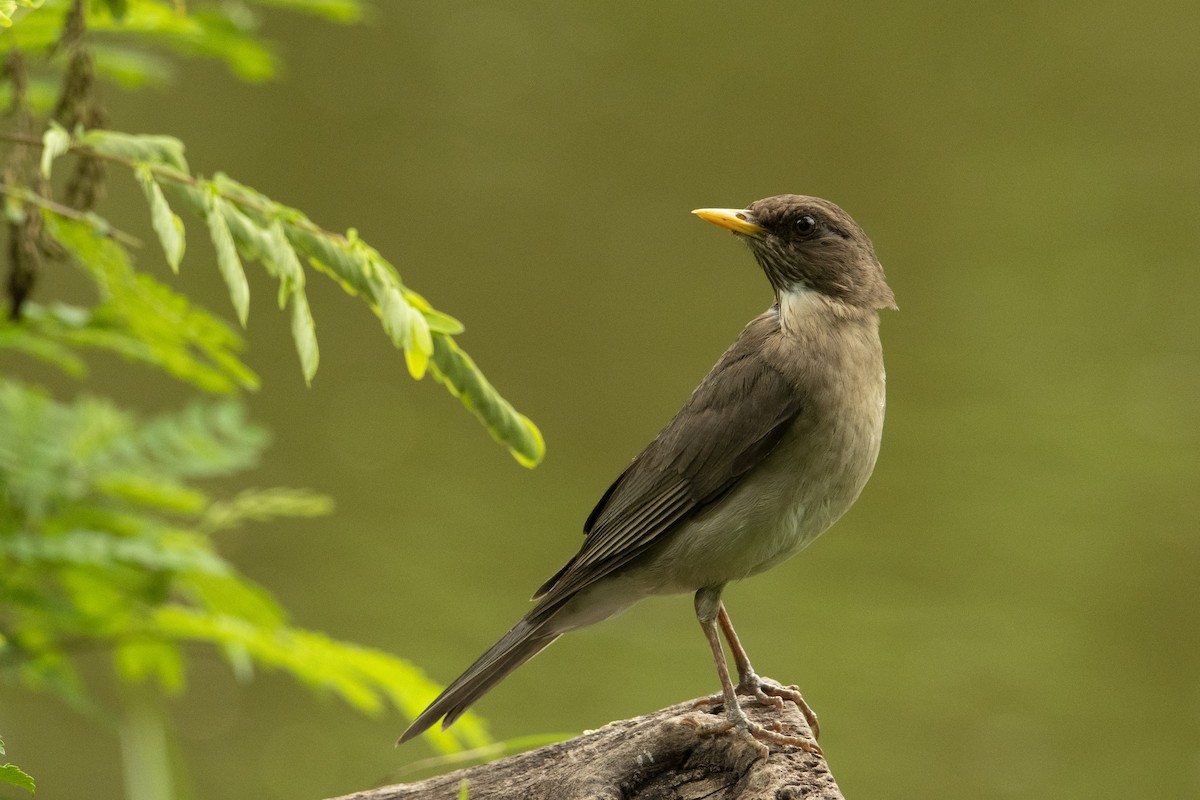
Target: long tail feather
[[520, 644]]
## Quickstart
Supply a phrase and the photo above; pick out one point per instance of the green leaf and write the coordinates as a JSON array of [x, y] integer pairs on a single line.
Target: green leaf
[[55, 455], [163, 551], [442, 323], [419, 345], [141, 319], [55, 142], [231, 595], [154, 491], [365, 678], [228, 262], [203, 440], [247, 235], [167, 225], [304, 333], [455, 369], [19, 336], [438, 322], [328, 255], [259, 505], [281, 261], [394, 312], [12, 774], [137, 148]]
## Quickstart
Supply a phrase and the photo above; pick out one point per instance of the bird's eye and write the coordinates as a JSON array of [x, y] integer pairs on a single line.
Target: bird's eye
[[806, 225]]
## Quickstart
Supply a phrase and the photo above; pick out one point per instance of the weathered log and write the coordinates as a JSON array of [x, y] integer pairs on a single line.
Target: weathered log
[[671, 754]]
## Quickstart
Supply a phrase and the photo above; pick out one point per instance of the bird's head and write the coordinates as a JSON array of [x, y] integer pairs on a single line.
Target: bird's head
[[809, 244]]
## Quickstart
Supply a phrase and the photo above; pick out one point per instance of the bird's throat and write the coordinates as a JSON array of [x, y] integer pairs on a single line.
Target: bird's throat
[[797, 306]]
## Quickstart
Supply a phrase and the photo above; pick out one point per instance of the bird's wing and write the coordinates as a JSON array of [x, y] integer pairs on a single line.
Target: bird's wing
[[731, 423]]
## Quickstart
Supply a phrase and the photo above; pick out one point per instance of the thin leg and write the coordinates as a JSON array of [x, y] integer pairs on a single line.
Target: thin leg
[[729, 695], [750, 683], [708, 609], [739, 653]]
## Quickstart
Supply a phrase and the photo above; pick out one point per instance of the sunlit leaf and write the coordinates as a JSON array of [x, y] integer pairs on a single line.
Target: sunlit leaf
[[167, 225], [367, 679], [103, 549], [18, 337], [166, 150], [265, 504], [304, 333], [419, 345], [228, 263], [455, 369], [12, 774], [140, 318], [394, 312], [281, 260], [442, 323]]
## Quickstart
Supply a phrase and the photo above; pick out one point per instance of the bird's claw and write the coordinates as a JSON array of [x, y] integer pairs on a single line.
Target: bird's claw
[[775, 736], [759, 736], [707, 702], [770, 693]]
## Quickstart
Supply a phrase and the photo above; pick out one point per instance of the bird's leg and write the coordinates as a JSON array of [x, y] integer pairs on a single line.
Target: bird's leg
[[708, 605], [750, 683]]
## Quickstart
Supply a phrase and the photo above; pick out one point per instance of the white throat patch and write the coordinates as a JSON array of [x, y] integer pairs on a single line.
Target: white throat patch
[[795, 304]]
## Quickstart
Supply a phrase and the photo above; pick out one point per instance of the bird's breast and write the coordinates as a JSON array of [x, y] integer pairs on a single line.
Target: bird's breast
[[800, 489]]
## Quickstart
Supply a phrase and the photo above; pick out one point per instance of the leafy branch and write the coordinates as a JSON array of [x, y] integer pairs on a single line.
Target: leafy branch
[[107, 534], [104, 539], [245, 225]]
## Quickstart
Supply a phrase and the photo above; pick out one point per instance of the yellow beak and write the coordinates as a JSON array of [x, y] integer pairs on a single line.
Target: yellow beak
[[734, 219]]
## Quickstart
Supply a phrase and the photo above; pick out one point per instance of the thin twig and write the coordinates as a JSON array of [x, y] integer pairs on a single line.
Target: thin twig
[[21, 193], [168, 173]]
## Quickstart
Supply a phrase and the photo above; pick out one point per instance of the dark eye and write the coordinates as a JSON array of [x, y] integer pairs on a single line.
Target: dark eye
[[806, 225]]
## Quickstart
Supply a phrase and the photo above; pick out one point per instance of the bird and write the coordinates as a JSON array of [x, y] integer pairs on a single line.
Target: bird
[[772, 447]]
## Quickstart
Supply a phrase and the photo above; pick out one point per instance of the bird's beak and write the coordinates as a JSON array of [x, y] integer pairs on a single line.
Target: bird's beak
[[736, 220]]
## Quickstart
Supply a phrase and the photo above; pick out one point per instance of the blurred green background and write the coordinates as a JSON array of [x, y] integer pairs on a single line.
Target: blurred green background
[[1011, 610]]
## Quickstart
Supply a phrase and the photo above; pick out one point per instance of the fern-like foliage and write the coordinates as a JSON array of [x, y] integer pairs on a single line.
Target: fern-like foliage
[[105, 542], [107, 532], [143, 320], [245, 225]]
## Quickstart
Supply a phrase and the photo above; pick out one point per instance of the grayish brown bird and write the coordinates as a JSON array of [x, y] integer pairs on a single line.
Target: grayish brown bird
[[770, 450]]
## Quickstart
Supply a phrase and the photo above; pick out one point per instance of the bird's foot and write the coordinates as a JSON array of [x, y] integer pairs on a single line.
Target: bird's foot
[[760, 736], [770, 693]]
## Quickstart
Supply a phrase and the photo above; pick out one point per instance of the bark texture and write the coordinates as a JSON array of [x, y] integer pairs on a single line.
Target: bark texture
[[666, 755]]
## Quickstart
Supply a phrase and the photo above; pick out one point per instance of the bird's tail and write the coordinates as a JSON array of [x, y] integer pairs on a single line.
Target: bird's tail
[[520, 644]]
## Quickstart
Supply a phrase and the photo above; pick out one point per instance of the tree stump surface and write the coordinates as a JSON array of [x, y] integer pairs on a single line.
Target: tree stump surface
[[659, 756]]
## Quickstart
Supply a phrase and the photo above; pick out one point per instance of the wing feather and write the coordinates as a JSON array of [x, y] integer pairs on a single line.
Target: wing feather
[[730, 424]]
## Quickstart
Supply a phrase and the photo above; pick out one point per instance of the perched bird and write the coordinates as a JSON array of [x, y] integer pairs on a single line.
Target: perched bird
[[770, 450]]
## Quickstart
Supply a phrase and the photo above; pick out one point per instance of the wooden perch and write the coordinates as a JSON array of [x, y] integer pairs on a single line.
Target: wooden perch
[[659, 756]]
